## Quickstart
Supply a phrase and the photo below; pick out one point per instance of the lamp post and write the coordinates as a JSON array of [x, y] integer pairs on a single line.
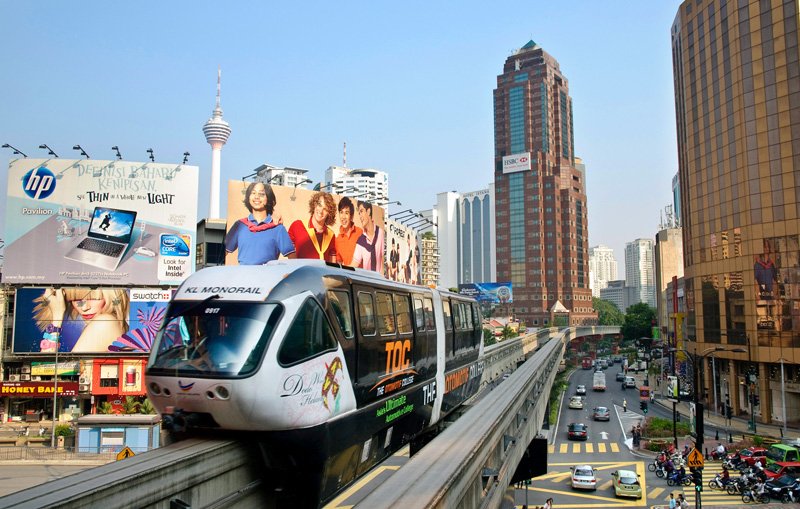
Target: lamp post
[[55, 394]]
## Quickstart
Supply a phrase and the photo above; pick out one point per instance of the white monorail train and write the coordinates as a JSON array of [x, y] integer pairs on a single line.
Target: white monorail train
[[332, 368]]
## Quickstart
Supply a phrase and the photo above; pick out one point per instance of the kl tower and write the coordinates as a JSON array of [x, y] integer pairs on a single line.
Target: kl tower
[[217, 132]]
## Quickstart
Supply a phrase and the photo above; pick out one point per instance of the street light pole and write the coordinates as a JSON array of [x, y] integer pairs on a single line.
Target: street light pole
[[55, 395], [783, 399]]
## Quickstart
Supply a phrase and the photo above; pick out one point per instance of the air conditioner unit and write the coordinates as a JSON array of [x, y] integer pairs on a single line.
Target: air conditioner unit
[[84, 388], [26, 369], [83, 380], [36, 378], [25, 377], [13, 378]]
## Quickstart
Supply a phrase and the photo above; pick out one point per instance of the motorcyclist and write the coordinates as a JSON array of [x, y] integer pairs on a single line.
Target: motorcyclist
[[724, 476], [669, 466], [720, 451]]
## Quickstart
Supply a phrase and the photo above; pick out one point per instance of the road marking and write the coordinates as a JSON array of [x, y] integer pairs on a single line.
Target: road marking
[[604, 435], [655, 492], [562, 448], [589, 448], [576, 448], [551, 449], [601, 447], [614, 447]]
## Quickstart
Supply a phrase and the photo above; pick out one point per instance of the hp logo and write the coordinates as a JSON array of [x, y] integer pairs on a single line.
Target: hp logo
[[39, 183]]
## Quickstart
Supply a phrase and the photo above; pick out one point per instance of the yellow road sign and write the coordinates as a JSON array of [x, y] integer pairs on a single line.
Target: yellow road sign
[[125, 453], [695, 459]]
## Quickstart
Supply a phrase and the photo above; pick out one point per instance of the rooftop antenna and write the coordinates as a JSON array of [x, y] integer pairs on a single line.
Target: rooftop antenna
[[344, 156]]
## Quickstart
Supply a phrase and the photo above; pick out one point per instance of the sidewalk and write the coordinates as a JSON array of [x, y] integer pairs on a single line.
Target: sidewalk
[[728, 428]]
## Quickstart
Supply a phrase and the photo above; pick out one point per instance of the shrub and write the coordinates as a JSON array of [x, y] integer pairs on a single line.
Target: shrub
[[64, 430]]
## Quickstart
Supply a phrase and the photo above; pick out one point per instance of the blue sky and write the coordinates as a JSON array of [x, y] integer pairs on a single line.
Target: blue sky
[[408, 86]]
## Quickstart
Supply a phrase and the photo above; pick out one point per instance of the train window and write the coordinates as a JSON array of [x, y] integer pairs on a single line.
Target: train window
[[467, 315], [430, 321], [458, 319], [419, 316], [366, 313], [340, 303], [448, 323], [309, 335], [403, 314], [385, 313]]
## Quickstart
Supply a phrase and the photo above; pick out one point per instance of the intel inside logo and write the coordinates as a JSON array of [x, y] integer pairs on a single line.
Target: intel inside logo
[[173, 245], [39, 183]]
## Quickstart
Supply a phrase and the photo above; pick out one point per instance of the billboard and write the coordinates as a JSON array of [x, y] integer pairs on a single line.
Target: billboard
[[402, 253], [99, 222], [268, 222], [82, 320], [517, 162], [488, 293]]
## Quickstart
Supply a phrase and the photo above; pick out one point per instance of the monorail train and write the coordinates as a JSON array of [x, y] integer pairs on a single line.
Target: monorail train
[[332, 368]]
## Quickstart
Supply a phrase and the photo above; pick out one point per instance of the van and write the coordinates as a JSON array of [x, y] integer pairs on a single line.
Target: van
[[629, 383], [781, 453]]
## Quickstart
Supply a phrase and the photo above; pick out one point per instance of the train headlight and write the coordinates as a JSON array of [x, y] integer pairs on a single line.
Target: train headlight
[[155, 388], [222, 392]]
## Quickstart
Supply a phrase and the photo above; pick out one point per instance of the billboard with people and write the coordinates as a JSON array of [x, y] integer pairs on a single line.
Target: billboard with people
[[84, 221], [267, 222], [86, 320], [402, 253]]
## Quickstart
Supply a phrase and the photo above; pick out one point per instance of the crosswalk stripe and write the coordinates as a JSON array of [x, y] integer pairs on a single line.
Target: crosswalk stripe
[[551, 449], [562, 448], [655, 492], [576, 448], [614, 447], [601, 447], [589, 448]]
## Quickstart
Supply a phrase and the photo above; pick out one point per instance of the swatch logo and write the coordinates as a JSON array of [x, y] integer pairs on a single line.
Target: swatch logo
[[185, 387]]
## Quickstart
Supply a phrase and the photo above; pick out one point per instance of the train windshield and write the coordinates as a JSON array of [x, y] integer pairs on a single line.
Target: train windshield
[[213, 339]]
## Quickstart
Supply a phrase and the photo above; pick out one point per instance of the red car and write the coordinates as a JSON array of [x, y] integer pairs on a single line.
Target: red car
[[780, 468], [750, 455]]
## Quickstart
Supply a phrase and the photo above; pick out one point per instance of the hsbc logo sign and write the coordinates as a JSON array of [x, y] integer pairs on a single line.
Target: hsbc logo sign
[[517, 162]]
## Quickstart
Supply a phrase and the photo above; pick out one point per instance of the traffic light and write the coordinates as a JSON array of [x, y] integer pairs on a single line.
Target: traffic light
[[728, 411], [697, 479], [643, 406], [756, 400]]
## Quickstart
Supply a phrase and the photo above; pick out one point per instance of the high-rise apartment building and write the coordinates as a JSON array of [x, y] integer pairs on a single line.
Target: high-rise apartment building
[[640, 271], [466, 234], [540, 209], [668, 265], [737, 96], [602, 267], [286, 176], [362, 184]]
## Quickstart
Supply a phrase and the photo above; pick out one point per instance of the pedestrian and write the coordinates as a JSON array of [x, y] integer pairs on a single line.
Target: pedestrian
[[624, 405], [671, 501], [548, 504]]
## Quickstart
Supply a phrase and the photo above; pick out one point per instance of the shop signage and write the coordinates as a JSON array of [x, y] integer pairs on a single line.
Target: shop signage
[[36, 389]]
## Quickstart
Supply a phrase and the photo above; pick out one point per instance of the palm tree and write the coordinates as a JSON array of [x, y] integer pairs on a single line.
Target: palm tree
[[147, 407], [130, 405], [105, 408]]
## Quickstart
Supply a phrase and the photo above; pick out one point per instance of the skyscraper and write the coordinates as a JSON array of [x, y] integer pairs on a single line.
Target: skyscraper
[[640, 271], [602, 267], [737, 96], [541, 212], [217, 132]]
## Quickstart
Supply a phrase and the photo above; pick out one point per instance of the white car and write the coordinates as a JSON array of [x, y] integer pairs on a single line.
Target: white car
[[576, 402], [581, 389], [583, 478]]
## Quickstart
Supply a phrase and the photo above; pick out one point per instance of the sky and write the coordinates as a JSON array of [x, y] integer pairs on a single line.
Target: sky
[[407, 85]]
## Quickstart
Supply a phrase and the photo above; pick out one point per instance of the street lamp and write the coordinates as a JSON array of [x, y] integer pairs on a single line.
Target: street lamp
[[16, 150]]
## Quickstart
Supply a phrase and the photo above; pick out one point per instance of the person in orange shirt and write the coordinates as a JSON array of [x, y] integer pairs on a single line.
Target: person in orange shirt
[[348, 232]]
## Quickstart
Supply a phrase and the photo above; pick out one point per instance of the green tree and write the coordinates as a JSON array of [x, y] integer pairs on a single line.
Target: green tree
[[429, 236], [130, 405], [105, 408], [147, 407], [638, 322], [507, 332], [607, 312], [488, 338]]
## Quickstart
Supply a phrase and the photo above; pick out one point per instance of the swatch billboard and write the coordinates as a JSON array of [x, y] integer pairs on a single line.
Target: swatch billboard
[[84, 221], [268, 222], [86, 320], [488, 293]]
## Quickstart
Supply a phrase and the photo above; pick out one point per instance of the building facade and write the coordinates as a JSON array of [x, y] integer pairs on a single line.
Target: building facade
[[668, 265], [289, 177], [540, 210], [465, 230], [737, 95], [615, 293], [640, 271], [362, 184], [602, 267]]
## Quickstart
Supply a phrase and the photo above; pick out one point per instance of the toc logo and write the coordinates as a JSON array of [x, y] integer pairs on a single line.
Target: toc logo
[[39, 183]]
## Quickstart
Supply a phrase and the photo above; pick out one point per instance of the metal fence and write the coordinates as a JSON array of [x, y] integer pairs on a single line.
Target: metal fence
[[48, 454]]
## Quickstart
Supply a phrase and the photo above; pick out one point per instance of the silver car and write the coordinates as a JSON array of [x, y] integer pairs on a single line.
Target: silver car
[[583, 478]]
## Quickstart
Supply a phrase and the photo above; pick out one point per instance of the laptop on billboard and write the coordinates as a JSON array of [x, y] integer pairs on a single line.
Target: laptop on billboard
[[107, 240]]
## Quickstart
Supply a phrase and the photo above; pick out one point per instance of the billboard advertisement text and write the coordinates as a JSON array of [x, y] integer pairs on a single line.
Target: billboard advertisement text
[[488, 293], [99, 222]]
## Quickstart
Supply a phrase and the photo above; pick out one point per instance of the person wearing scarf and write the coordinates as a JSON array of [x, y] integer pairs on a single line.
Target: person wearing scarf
[[316, 239], [258, 238]]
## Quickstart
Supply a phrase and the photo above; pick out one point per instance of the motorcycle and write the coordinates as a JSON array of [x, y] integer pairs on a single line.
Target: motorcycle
[[755, 494], [716, 455], [676, 479], [717, 483], [792, 495], [738, 485]]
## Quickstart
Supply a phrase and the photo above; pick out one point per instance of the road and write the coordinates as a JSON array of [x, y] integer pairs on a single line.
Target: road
[[606, 450]]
